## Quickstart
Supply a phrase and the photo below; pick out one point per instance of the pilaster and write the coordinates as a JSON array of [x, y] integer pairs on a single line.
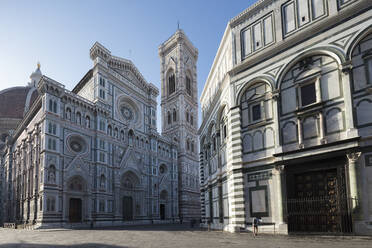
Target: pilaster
[[235, 178]]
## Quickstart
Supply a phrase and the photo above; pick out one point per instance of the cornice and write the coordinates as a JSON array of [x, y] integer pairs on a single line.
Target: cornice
[[249, 12]]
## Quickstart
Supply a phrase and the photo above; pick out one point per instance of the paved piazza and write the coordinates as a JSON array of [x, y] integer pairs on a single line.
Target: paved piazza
[[167, 236]]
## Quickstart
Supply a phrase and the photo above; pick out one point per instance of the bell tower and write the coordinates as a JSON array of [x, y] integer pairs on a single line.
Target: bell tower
[[179, 109]]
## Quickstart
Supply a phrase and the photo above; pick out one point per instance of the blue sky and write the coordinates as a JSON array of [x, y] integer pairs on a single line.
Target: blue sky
[[59, 34]]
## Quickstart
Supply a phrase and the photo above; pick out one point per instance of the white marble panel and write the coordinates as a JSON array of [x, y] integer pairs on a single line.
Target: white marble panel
[[257, 141], [330, 85], [359, 77], [269, 138], [289, 132], [309, 127], [288, 99], [334, 120], [258, 201], [247, 143], [364, 115]]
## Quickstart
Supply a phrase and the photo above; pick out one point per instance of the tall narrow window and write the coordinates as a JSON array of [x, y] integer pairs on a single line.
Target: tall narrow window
[[224, 131], [169, 118], [257, 36], [268, 30], [50, 105], [188, 85], [256, 112], [102, 81], [318, 8], [187, 116], [308, 94], [303, 12], [289, 18], [191, 120], [246, 42], [171, 84], [174, 115]]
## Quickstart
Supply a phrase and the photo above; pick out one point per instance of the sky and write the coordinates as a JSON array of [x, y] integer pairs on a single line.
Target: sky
[[59, 35]]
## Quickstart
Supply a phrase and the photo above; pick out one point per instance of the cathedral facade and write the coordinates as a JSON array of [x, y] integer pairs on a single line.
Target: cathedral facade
[[286, 127], [92, 156]]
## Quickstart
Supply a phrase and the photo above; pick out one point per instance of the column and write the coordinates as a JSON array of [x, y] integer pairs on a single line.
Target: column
[[275, 99], [321, 128], [278, 172], [353, 178], [346, 84], [299, 130]]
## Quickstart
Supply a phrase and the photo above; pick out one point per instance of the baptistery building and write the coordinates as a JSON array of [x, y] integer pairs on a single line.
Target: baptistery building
[[286, 119], [92, 156]]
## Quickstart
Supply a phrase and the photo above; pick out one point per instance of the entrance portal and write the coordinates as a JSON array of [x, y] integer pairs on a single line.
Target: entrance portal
[[127, 208], [75, 210], [162, 211], [317, 202]]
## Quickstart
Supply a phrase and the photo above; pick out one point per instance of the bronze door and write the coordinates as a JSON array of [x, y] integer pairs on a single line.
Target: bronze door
[[75, 210], [318, 202], [162, 211], [127, 208]]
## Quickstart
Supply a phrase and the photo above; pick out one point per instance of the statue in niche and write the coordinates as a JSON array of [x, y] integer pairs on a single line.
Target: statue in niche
[[52, 174]]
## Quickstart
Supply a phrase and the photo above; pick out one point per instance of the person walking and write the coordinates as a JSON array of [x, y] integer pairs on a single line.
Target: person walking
[[255, 222]]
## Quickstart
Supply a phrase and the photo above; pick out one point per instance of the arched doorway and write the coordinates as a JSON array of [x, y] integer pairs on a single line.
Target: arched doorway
[[130, 195], [76, 193]]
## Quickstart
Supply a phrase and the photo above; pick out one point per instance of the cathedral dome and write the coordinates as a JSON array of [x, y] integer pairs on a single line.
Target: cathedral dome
[[15, 102]]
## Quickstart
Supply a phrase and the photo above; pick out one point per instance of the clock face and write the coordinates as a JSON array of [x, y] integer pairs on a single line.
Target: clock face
[[126, 112]]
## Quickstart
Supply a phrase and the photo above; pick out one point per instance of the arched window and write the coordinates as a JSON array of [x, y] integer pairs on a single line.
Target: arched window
[[122, 134], [174, 115], [171, 84], [130, 137], [68, 113], [109, 130], [87, 121], [169, 118], [188, 86], [188, 144], [52, 174], [191, 120], [187, 116], [192, 146], [78, 118]]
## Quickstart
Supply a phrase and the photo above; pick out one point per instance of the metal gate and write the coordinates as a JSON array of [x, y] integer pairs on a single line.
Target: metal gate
[[320, 203]]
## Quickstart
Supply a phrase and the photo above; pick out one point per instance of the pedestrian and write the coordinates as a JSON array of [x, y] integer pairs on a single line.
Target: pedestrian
[[255, 222]]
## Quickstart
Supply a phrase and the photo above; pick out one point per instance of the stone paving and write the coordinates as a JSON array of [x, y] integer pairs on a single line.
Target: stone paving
[[168, 236]]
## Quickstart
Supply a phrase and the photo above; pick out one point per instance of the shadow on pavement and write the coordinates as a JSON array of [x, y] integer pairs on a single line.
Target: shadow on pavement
[[88, 245], [154, 227]]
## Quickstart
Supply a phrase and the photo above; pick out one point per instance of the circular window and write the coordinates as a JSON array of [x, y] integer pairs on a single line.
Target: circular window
[[76, 144], [162, 169], [126, 112]]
